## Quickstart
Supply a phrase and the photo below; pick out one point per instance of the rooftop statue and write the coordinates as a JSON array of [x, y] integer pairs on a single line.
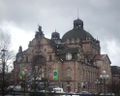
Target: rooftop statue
[[39, 28], [39, 32]]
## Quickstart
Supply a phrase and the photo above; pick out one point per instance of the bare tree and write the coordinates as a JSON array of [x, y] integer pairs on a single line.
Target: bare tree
[[5, 40]]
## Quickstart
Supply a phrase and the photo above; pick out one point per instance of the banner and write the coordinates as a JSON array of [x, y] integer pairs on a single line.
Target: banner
[[86, 84], [82, 84], [20, 77], [55, 74], [24, 70], [30, 70], [20, 73]]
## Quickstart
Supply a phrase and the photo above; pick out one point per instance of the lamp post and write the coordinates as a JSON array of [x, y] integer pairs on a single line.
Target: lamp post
[[24, 81], [104, 76], [97, 82], [119, 85], [3, 70]]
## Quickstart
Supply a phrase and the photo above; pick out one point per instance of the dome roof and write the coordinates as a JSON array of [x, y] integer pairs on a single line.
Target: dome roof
[[77, 32]]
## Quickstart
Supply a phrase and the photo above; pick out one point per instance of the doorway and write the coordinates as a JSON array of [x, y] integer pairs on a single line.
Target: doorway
[[68, 88]]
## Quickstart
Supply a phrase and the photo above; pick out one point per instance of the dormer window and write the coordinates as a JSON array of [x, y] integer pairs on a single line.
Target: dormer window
[[68, 56], [74, 56]]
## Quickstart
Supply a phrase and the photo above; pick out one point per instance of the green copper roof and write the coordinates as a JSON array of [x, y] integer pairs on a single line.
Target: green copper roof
[[58, 42], [76, 33]]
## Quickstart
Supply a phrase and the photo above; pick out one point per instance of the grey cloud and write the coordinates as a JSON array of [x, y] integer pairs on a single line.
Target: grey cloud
[[101, 17]]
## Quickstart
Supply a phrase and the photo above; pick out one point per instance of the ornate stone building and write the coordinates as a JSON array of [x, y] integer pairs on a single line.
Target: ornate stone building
[[73, 62]]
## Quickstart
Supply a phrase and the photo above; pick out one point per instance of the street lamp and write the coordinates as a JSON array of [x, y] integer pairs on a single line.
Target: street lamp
[[24, 81], [97, 82], [3, 70], [104, 76]]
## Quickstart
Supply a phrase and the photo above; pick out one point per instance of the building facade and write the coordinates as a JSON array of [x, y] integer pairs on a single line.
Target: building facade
[[115, 70], [73, 62], [115, 85]]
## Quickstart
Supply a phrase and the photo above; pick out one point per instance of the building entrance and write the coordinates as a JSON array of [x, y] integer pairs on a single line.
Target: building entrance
[[68, 88]]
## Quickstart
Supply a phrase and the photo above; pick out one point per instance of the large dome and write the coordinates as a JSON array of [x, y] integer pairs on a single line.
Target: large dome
[[77, 32]]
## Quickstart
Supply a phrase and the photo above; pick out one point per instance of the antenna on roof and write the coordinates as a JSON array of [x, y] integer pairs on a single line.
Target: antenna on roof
[[97, 37], [77, 13]]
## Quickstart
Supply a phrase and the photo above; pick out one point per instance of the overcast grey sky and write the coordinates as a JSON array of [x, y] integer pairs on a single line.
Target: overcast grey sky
[[101, 18]]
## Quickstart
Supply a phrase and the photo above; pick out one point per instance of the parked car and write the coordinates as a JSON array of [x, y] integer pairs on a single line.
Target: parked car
[[17, 88], [73, 94], [14, 88], [107, 94], [58, 90], [85, 92], [10, 88]]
